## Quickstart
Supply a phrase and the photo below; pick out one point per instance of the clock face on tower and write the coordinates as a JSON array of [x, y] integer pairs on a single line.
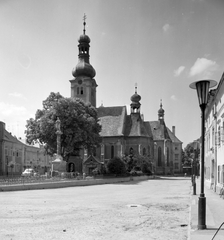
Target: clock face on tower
[[80, 81]]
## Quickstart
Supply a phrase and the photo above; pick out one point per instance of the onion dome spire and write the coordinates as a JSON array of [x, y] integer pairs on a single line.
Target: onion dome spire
[[135, 98], [84, 68], [161, 111]]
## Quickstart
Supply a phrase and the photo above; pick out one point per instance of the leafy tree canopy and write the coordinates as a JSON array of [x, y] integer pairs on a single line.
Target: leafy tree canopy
[[79, 125], [190, 152], [116, 166]]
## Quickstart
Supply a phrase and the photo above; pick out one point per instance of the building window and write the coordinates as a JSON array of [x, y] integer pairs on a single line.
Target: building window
[[159, 157], [176, 165], [112, 152], [81, 91], [131, 151], [6, 151], [168, 156], [176, 157]]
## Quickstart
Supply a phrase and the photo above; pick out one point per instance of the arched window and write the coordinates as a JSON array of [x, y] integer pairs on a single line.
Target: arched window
[[81, 91], [168, 156], [159, 156], [112, 152], [131, 151]]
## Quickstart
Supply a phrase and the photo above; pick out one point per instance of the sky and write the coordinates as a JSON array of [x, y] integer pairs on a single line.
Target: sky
[[160, 45]]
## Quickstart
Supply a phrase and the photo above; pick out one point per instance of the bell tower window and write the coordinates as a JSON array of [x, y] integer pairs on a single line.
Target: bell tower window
[[81, 92]]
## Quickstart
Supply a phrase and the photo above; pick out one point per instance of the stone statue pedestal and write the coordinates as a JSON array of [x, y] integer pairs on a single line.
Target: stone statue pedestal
[[58, 164]]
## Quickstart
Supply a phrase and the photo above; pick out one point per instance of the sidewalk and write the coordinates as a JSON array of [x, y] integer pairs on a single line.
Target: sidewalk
[[214, 215]]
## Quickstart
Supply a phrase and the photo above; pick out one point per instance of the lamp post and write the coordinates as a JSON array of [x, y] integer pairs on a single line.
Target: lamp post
[[202, 87]]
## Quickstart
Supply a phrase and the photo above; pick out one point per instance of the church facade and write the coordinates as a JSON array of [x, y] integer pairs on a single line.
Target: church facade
[[122, 134]]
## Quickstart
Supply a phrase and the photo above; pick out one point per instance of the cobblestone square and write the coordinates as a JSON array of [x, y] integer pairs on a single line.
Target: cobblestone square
[[152, 209]]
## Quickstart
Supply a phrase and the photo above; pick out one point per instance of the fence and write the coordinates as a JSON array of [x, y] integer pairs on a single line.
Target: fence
[[36, 179]]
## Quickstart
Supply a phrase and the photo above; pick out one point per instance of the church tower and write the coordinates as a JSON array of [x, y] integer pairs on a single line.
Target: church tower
[[135, 102], [83, 85], [161, 113]]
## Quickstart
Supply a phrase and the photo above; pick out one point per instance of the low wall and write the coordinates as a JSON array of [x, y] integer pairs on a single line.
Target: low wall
[[70, 183]]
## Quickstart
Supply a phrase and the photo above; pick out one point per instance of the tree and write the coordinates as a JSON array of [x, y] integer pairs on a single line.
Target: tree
[[79, 125], [136, 160], [190, 153], [116, 166]]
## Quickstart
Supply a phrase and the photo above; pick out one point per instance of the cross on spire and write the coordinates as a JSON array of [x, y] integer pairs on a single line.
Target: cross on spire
[[161, 105], [136, 87], [84, 23]]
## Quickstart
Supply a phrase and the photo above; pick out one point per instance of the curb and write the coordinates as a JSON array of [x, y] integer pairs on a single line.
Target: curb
[[74, 183]]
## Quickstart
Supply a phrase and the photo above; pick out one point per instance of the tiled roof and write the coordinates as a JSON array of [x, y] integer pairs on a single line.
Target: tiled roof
[[112, 120], [148, 129], [134, 126], [173, 137], [10, 138], [159, 131]]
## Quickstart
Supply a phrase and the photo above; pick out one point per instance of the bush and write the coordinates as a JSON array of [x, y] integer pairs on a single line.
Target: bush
[[145, 169], [116, 166]]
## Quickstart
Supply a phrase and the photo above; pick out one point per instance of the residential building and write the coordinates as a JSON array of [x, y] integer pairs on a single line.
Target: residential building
[[15, 155], [214, 137]]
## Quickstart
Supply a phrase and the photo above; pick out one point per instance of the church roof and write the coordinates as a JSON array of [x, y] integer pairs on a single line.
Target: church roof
[[135, 126], [112, 120], [116, 122], [148, 129], [173, 138], [159, 131], [92, 159]]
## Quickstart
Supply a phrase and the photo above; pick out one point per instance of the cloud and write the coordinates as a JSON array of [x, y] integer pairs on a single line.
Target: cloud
[[178, 71], [166, 27], [173, 97], [7, 109], [204, 67], [17, 95]]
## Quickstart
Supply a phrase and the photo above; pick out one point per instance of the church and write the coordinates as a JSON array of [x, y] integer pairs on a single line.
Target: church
[[122, 134]]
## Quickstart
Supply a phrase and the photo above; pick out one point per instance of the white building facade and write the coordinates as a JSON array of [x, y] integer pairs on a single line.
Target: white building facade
[[214, 140]]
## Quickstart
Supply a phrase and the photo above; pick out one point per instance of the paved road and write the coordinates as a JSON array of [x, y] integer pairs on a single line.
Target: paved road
[[152, 209]]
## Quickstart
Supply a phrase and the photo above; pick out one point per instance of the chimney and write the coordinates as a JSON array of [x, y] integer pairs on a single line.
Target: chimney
[[173, 130]]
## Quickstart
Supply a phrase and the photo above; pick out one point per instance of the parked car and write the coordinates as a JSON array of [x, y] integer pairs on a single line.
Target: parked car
[[28, 172]]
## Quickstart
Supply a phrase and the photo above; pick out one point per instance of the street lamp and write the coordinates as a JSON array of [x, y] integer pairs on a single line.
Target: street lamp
[[202, 87]]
